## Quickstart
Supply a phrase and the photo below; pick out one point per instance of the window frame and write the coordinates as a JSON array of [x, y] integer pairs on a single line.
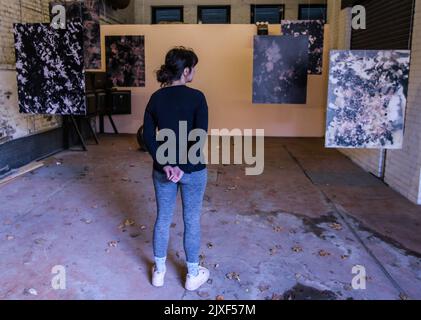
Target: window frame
[[312, 5], [155, 8], [254, 6], [201, 7]]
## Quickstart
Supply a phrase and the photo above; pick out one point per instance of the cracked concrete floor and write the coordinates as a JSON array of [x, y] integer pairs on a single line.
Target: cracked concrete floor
[[276, 236]]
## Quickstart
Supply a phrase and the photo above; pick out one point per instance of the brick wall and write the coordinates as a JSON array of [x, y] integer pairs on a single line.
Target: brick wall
[[403, 166], [240, 9], [14, 125]]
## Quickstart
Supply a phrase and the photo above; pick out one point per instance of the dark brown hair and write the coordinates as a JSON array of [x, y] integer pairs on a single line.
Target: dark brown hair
[[176, 60]]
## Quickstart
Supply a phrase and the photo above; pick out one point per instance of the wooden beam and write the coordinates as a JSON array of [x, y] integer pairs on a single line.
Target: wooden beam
[[21, 171]]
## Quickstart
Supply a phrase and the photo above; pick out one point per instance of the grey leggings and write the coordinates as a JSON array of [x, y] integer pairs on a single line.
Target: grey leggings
[[192, 187]]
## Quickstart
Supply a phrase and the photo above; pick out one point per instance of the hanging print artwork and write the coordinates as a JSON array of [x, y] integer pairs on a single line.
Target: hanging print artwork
[[87, 13], [125, 57], [314, 29], [367, 98], [280, 69], [49, 66]]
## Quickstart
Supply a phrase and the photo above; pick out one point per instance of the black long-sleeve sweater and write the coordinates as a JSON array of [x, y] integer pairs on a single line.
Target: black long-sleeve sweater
[[166, 108]]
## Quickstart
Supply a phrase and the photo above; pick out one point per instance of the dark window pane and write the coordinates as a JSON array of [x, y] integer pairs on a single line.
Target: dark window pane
[[312, 12], [167, 15], [214, 15], [271, 14]]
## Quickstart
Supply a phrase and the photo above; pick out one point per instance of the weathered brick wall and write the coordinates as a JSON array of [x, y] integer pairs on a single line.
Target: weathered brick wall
[[14, 125], [403, 167], [240, 9]]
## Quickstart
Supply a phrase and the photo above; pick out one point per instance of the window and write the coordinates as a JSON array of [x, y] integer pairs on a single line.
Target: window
[[213, 14], [270, 13], [167, 14], [312, 12]]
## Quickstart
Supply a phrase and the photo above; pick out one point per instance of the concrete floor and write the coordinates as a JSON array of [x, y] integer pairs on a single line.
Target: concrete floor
[[280, 235]]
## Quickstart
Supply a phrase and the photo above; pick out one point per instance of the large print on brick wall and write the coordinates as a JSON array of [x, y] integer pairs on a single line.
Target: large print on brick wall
[[367, 99], [87, 13], [49, 66], [125, 57]]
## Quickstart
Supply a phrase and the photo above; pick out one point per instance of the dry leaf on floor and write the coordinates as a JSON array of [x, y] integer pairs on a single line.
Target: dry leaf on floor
[[39, 241], [124, 179], [87, 221], [231, 188], [9, 237], [276, 297], [233, 276], [297, 249], [273, 251], [263, 288], [129, 222], [216, 266], [203, 294], [335, 226], [344, 257], [278, 229], [142, 227], [220, 298], [324, 253], [210, 245], [112, 244], [31, 291]]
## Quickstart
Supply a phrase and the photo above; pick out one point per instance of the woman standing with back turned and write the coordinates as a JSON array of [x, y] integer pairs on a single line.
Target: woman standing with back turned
[[167, 107]]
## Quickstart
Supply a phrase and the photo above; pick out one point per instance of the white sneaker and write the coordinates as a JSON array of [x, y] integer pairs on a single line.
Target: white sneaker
[[194, 282], [157, 278]]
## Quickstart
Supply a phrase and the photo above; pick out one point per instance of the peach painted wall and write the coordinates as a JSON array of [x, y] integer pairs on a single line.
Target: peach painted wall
[[224, 74]]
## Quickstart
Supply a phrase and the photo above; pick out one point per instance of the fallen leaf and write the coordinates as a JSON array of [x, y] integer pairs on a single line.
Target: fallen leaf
[[87, 221], [233, 276], [276, 297], [210, 245], [278, 229], [9, 237], [403, 296], [272, 251], [263, 288], [31, 291], [336, 226], [297, 249], [344, 257], [220, 298], [203, 294], [129, 222], [231, 188], [324, 253], [142, 227], [216, 266], [39, 241], [112, 244]]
